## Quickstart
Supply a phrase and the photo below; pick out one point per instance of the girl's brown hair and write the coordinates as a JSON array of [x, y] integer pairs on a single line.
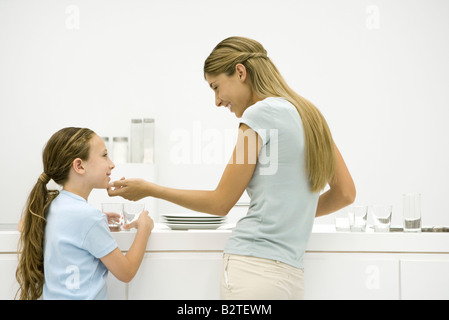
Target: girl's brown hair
[[267, 81], [59, 153]]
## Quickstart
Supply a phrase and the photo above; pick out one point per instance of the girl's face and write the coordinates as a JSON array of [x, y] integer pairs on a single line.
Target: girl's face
[[233, 92], [98, 167]]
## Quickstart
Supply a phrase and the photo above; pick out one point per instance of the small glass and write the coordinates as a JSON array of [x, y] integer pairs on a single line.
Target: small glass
[[382, 217], [132, 210], [412, 212], [357, 218], [110, 209], [342, 220]]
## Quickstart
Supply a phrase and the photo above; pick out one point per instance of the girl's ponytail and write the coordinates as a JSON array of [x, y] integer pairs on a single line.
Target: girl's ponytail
[[30, 270]]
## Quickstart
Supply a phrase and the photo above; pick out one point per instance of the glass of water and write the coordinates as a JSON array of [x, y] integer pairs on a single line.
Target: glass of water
[[357, 218], [382, 217], [411, 203], [342, 220], [113, 209], [131, 211]]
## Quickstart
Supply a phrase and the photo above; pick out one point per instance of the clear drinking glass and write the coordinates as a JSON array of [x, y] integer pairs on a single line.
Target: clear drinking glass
[[382, 217], [110, 209], [357, 218], [131, 211], [342, 220], [412, 212]]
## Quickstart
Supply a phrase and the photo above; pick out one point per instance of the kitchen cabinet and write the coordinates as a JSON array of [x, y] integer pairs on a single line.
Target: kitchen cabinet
[[117, 290], [425, 277], [178, 275], [351, 276], [8, 283]]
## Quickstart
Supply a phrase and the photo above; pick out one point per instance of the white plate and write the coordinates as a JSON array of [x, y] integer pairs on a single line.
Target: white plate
[[186, 226], [193, 221], [190, 216]]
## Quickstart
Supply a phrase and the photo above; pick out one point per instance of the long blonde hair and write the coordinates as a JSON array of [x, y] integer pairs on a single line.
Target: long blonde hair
[[267, 81], [63, 147]]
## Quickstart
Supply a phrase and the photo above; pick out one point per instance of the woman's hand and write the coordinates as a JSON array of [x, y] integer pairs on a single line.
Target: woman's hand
[[131, 189]]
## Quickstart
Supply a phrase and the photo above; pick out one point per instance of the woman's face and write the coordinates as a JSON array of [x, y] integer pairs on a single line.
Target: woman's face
[[233, 92]]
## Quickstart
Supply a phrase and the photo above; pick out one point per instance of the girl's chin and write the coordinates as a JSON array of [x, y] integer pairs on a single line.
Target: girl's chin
[[104, 185]]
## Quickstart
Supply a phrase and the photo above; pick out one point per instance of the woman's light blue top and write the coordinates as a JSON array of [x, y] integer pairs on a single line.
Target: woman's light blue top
[[282, 208], [76, 237]]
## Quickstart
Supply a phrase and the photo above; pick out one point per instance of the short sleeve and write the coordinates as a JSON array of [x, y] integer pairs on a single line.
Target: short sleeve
[[259, 117], [99, 241]]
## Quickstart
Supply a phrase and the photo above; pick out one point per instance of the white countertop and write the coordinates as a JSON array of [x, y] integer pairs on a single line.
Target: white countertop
[[324, 238]]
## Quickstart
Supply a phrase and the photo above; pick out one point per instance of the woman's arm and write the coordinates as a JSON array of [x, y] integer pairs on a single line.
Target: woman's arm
[[124, 267], [233, 183], [342, 189]]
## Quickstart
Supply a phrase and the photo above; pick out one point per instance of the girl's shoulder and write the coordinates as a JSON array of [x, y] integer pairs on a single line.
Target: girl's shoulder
[[72, 205]]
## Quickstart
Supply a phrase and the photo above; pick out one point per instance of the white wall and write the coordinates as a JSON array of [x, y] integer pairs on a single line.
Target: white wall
[[378, 71]]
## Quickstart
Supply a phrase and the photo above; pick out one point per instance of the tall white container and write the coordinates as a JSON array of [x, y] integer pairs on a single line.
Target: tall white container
[[148, 140], [120, 149], [136, 154]]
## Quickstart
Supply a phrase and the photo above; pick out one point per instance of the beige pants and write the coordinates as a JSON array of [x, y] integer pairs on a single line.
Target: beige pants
[[251, 278]]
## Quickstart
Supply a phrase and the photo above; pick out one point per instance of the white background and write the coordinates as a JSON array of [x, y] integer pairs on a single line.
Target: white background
[[378, 71]]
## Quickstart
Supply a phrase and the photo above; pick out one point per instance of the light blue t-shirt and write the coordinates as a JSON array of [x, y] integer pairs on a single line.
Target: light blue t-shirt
[[282, 208], [76, 236]]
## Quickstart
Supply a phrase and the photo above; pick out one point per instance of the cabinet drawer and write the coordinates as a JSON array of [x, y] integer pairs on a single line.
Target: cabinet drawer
[[351, 276]]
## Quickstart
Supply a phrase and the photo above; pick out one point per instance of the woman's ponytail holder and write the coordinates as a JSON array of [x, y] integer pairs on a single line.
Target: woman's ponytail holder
[[44, 178]]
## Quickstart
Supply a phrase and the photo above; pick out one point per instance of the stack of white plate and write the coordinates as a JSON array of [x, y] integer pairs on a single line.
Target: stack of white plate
[[193, 221]]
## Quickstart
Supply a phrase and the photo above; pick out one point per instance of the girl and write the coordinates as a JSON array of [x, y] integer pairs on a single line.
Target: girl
[[65, 244], [264, 256]]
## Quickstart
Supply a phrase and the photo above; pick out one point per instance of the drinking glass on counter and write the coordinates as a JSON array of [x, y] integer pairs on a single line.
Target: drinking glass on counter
[[412, 212], [382, 217], [357, 218], [111, 209], [132, 210], [342, 220]]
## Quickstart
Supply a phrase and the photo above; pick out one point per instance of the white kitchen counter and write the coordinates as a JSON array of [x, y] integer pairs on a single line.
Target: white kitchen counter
[[324, 238]]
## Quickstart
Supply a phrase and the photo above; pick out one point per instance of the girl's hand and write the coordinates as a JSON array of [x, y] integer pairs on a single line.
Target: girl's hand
[[112, 217], [143, 222], [131, 189]]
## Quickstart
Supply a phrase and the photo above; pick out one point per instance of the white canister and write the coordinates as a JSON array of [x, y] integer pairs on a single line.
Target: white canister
[[120, 149], [136, 150], [148, 140]]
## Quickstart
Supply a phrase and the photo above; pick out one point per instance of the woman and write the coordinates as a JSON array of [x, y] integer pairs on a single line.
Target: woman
[[264, 256]]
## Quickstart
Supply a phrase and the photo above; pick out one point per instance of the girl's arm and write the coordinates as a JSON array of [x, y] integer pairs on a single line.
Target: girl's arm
[[342, 189], [124, 267], [233, 183]]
